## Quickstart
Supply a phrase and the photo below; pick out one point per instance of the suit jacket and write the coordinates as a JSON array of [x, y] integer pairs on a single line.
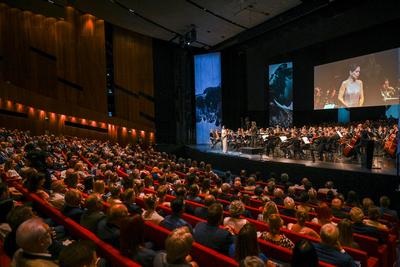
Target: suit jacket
[[171, 222], [367, 230], [213, 237], [109, 233], [339, 214], [224, 196], [132, 208], [90, 220], [74, 213], [201, 212]]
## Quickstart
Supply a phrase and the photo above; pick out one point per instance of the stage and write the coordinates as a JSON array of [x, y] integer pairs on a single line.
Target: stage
[[346, 174]]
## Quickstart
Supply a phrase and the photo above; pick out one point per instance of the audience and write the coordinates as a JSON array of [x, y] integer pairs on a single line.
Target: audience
[[329, 250], [108, 230], [304, 254], [300, 227], [57, 198], [236, 209], [346, 237], [324, 215], [34, 238], [359, 227], [79, 254], [132, 243], [175, 220], [129, 197], [201, 212], [151, 215], [247, 245], [91, 218], [177, 245], [72, 207], [275, 223], [209, 233], [289, 208]]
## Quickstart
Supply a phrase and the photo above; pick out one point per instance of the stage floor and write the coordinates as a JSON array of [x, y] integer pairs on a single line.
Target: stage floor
[[381, 165]]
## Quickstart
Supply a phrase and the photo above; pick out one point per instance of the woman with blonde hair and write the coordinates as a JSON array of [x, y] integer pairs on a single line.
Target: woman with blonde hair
[[115, 191], [79, 169], [300, 226], [236, 209], [151, 215], [275, 223], [99, 188], [346, 237], [269, 208]]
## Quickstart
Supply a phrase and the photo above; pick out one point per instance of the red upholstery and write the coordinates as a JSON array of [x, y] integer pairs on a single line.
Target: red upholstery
[[5, 261]]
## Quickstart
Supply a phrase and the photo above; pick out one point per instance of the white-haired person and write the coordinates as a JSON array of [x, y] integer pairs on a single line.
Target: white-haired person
[[289, 209], [177, 245], [34, 238], [236, 209]]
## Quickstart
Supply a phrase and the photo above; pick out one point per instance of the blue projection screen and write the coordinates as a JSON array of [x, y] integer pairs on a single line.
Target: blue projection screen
[[207, 72], [281, 95]]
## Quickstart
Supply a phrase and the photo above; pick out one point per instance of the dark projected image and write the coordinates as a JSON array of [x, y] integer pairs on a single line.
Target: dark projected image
[[370, 80], [281, 95], [208, 95]]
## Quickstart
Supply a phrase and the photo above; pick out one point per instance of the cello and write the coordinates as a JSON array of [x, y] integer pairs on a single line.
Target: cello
[[348, 151]]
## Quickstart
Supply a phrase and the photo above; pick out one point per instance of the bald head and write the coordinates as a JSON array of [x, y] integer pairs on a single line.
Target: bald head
[[209, 200], [329, 234], [115, 214], [337, 204]]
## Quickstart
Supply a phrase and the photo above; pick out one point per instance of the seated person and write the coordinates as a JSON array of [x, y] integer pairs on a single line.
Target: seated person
[[34, 238], [108, 230], [194, 194], [177, 245], [35, 185], [329, 250], [132, 241], [175, 220], [6, 203], [359, 227], [300, 227], [374, 214], [94, 214], [289, 208], [115, 191], [210, 235], [275, 223], [278, 194], [79, 254], [162, 193], [57, 198], [72, 208], [236, 209], [201, 212], [151, 215], [129, 201]]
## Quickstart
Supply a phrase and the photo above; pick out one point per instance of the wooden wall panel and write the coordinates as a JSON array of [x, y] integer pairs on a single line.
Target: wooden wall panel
[[133, 70], [37, 50]]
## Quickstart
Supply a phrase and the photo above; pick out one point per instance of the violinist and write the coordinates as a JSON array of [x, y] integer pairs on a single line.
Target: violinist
[[212, 138]]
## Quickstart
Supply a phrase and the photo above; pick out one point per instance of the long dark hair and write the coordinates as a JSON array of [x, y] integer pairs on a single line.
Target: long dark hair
[[304, 254], [246, 243], [132, 235]]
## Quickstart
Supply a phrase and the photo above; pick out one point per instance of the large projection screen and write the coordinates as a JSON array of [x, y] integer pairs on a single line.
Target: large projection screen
[[365, 81], [207, 71], [281, 95]]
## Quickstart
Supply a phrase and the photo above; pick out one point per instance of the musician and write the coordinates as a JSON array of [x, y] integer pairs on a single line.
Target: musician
[[386, 88], [320, 147], [253, 134], [273, 140], [331, 142], [217, 137], [351, 92], [295, 146]]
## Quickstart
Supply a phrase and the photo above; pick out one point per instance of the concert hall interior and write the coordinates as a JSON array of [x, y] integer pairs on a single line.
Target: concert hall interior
[[162, 74]]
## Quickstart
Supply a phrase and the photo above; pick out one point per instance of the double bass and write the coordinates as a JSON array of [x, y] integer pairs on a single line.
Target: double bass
[[348, 151], [391, 145]]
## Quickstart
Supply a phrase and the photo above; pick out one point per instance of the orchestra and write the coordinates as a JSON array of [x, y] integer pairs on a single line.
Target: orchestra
[[343, 140]]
